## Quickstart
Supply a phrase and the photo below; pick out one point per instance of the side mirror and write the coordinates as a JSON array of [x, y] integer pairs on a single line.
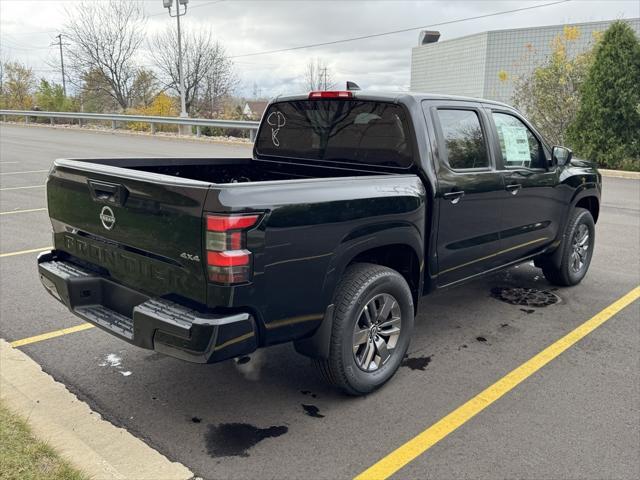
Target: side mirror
[[561, 155]]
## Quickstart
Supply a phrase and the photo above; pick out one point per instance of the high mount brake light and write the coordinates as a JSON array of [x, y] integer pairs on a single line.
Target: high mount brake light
[[228, 260], [330, 94]]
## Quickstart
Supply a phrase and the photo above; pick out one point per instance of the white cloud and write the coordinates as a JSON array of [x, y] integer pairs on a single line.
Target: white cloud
[[27, 29]]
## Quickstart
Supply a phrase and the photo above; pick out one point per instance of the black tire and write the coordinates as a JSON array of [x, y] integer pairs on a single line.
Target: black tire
[[362, 284], [571, 273]]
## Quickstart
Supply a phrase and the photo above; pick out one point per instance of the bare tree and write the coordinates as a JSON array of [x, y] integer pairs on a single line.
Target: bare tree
[[208, 71], [105, 37], [221, 82], [4, 60], [318, 76]]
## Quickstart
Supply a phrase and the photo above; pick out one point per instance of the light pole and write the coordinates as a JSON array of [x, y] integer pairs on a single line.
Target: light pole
[[168, 4]]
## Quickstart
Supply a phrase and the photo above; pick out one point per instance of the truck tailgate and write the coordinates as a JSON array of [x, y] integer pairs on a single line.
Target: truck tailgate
[[143, 229]]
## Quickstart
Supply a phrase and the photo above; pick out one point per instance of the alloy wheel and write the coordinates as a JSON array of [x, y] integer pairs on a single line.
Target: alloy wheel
[[580, 248], [376, 332]]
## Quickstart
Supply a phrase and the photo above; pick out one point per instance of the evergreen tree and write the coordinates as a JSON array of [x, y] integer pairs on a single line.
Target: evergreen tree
[[607, 126]]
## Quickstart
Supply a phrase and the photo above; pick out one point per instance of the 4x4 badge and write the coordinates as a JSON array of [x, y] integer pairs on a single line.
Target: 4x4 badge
[[188, 256], [107, 218]]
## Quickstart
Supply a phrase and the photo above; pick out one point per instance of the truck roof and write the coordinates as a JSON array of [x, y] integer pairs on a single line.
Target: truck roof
[[400, 97]]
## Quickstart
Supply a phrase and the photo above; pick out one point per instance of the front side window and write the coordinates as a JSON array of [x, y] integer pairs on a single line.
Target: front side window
[[463, 139], [519, 146]]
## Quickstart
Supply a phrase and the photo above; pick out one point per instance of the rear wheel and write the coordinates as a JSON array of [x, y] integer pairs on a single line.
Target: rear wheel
[[576, 251], [371, 330]]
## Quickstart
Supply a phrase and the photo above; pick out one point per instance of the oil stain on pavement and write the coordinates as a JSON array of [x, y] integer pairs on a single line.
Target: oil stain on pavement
[[235, 439], [312, 411], [416, 363]]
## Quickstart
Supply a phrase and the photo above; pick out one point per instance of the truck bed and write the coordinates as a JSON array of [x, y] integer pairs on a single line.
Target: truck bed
[[229, 170], [152, 209]]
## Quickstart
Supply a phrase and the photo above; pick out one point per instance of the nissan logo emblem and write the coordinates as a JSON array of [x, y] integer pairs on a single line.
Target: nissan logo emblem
[[107, 218]]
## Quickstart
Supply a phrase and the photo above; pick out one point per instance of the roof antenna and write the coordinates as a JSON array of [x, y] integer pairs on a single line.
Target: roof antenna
[[352, 86]]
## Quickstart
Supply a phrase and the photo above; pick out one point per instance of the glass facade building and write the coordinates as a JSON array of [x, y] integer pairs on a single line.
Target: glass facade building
[[487, 64]]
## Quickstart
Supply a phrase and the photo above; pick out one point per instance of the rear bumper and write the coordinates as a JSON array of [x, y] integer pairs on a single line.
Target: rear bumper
[[152, 323]]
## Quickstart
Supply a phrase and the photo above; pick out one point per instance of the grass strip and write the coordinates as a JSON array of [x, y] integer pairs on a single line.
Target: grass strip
[[23, 457]]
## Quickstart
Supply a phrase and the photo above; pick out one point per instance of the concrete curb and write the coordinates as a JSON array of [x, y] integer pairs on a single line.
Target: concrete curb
[[80, 435], [619, 174]]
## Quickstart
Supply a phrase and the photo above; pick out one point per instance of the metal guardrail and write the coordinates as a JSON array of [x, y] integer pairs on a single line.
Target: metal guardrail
[[151, 120]]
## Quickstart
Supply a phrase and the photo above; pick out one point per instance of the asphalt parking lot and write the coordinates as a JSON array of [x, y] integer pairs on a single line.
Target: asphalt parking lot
[[271, 417]]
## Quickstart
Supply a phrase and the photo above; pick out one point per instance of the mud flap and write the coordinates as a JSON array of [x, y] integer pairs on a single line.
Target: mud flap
[[317, 345]]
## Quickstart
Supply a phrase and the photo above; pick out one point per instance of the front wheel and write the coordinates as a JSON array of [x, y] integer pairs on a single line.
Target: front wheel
[[576, 250], [371, 330]]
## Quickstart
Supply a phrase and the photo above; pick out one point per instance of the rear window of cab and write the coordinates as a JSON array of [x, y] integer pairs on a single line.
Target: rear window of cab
[[345, 131]]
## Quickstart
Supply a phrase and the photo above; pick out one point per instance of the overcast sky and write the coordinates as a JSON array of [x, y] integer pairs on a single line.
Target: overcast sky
[[28, 27]]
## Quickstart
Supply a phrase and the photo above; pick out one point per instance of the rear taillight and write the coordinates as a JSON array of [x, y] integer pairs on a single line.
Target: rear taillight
[[228, 260], [330, 94]]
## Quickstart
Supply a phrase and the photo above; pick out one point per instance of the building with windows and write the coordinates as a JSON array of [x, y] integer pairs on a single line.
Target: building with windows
[[486, 64]]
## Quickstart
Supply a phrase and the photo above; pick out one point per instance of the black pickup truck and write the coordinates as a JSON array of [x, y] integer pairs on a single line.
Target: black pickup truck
[[352, 206]]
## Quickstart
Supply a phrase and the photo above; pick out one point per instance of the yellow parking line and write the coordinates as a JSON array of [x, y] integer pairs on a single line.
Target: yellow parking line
[[21, 188], [22, 252], [11, 212], [28, 171], [54, 334], [439, 430]]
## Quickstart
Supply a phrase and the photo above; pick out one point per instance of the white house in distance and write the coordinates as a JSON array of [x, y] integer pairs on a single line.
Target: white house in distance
[[253, 109]]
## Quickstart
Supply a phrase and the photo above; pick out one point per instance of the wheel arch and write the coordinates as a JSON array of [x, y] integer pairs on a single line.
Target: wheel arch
[[588, 202], [400, 257], [591, 203], [398, 247]]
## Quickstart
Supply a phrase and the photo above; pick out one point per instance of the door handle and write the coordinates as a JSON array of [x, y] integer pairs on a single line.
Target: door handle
[[513, 188], [108, 192], [454, 197]]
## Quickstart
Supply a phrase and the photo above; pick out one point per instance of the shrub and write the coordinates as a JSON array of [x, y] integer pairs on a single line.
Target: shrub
[[163, 106]]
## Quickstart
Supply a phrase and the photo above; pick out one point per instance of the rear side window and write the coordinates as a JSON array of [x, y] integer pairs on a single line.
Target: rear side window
[[520, 147], [350, 131], [463, 139]]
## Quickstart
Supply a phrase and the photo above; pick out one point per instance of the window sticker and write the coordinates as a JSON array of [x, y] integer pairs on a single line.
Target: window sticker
[[276, 121], [516, 144]]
